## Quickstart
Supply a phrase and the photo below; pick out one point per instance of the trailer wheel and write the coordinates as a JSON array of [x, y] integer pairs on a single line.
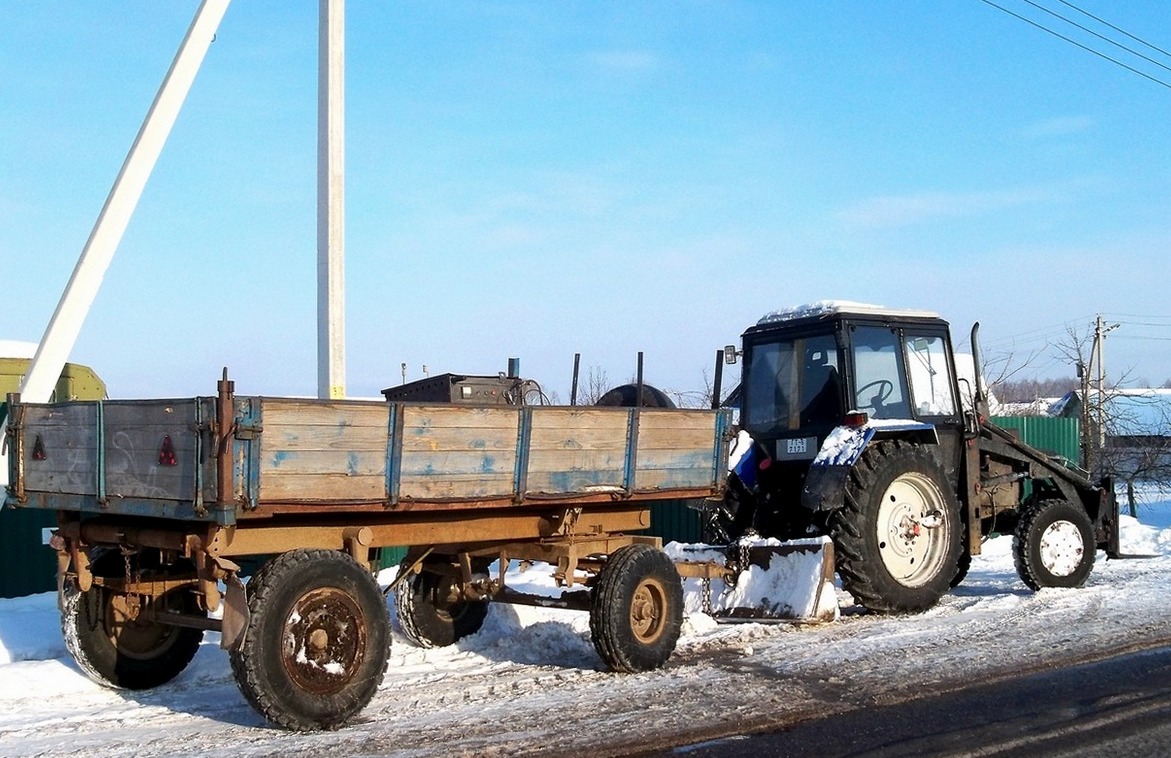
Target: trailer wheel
[[427, 613], [317, 640], [1053, 545], [897, 535], [113, 642], [637, 609]]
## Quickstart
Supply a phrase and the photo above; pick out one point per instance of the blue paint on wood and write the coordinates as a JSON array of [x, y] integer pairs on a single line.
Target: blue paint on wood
[[281, 457]]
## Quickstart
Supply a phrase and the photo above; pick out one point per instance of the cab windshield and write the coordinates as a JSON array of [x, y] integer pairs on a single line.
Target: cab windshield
[[792, 384]]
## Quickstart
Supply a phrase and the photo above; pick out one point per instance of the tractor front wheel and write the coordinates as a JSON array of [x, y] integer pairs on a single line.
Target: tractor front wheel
[[1054, 545]]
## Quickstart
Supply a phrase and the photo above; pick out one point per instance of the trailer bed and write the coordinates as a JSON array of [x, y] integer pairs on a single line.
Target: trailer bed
[[177, 459]]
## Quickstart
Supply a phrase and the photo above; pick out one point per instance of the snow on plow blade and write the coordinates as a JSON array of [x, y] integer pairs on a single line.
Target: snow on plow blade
[[757, 579]]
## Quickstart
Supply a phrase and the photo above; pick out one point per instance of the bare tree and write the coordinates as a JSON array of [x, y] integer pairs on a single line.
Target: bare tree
[[597, 383]]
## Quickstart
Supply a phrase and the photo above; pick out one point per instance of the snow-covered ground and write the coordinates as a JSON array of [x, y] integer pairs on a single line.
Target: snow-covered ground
[[530, 682]]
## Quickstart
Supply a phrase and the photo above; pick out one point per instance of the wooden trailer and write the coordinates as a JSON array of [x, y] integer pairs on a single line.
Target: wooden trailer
[[161, 502]]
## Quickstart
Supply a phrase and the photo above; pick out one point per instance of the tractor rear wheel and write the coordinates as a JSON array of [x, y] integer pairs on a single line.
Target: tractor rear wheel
[[1054, 545], [897, 535]]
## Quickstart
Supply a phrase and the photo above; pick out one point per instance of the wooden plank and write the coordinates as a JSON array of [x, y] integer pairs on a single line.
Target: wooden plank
[[278, 463], [347, 414], [322, 487], [308, 438], [576, 460], [459, 417], [571, 482], [430, 438], [666, 439], [456, 486], [678, 420]]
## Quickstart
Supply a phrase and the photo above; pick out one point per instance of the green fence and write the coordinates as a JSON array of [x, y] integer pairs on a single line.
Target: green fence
[[1060, 436]]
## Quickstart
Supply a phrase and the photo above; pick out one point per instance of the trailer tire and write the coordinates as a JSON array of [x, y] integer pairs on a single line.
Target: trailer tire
[[116, 651], [317, 640], [892, 556], [637, 610], [1053, 545], [425, 615]]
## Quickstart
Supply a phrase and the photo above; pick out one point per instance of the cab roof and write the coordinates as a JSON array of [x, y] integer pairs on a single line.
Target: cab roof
[[831, 308]]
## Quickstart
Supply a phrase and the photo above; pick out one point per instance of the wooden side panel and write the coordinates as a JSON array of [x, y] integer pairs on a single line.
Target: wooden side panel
[[675, 449], [142, 439], [320, 450], [577, 450], [453, 452], [68, 435]]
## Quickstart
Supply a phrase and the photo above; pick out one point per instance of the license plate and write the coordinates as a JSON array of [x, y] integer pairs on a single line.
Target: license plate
[[798, 448]]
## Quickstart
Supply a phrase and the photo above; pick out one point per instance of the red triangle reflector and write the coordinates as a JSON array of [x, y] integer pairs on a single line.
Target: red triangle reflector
[[39, 449], [167, 453]]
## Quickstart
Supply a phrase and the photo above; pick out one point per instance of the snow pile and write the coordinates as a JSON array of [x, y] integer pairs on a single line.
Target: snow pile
[[17, 349], [842, 445], [832, 307], [779, 582]]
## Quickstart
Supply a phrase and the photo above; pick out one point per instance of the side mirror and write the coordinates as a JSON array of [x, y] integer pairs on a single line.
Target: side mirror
[[730, 354]]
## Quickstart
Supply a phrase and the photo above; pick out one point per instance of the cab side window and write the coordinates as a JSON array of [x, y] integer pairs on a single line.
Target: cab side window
[[930, 375], [879, 386]]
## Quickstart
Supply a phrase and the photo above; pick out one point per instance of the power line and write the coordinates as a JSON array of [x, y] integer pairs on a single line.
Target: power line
[[1102, 37], [1075, 43], [1115, 28]]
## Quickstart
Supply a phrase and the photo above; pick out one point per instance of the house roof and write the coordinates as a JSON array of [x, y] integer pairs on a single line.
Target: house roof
[[1139, 413]]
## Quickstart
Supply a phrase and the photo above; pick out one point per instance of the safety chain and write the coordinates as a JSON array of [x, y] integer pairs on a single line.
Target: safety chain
[[707, 595]]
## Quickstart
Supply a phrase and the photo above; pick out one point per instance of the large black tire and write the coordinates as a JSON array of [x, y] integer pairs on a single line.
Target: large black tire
[[317, 640], [426, 615], [637, 610], [1053, 545], [119, 649], [897, 535]]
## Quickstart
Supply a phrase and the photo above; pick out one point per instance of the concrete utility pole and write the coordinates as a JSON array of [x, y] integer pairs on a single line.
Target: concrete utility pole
[[1100, 331], [65, 325], [331, 286]]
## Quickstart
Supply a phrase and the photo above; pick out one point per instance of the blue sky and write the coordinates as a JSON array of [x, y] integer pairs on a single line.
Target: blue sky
[[538, 179]]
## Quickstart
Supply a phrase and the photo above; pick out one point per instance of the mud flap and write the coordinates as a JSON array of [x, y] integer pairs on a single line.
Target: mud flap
[[758, 580], [235, 620]]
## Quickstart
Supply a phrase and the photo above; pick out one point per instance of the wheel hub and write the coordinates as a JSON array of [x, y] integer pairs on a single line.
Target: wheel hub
[[131, 634], [910, 539], [1061, 548], [646, 612], [323, 641]]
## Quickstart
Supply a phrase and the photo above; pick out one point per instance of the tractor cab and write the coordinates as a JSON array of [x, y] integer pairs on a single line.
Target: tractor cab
[[809, 370]]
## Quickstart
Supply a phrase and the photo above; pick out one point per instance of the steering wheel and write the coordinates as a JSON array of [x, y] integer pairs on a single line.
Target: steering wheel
[[885, 388]]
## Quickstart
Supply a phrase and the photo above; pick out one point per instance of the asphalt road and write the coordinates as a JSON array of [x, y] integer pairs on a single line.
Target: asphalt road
[[1118, 706]]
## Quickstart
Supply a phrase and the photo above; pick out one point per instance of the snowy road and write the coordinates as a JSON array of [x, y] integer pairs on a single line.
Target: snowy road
[[530, 682]]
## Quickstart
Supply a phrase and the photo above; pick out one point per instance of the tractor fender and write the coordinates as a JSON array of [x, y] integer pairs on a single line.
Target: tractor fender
[[825, 482]]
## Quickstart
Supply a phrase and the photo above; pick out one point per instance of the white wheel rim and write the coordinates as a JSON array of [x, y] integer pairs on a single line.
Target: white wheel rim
[[1061, 548], [912, 538]]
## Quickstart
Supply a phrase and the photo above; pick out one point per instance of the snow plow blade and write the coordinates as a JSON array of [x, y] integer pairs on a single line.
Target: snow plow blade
[[759, 580]]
